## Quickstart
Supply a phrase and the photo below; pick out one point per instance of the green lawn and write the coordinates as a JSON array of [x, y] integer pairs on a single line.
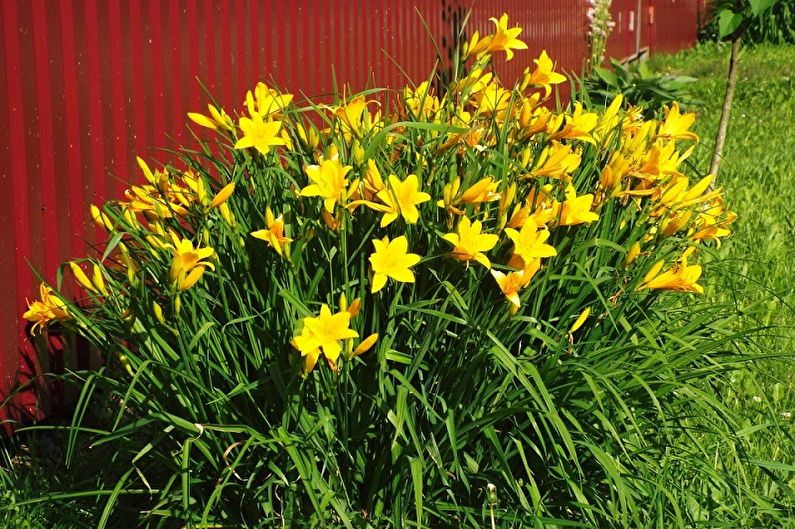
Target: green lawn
[[758, 172], [757, 169]]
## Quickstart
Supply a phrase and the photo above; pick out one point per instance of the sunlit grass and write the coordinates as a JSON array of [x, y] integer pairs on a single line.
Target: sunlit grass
[[758, 172]]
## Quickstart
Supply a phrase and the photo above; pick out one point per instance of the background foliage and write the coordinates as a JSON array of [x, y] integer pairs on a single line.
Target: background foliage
[[775, 25]]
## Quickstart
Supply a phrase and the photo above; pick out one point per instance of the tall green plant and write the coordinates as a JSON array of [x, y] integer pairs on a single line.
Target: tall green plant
[[638, 85]]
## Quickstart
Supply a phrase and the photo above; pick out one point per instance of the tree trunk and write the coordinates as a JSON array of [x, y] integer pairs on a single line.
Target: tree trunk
[[720, 139]]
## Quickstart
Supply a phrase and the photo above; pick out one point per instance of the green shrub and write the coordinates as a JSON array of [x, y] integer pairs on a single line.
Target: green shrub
[[775, 25], [638, 85], [451, 314]]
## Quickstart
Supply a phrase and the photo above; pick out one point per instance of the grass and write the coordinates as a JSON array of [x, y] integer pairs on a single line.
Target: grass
[[30, 468], [757, 172]]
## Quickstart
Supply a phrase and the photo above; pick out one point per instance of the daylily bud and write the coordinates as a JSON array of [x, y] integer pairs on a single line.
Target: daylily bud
[[202, 120], [127, 315], [507, 198], [633, 252], [130, 218], [102, 220], [580, 320], [81, 277], [525, 160], [365, 345], [223, 195], [99, 280], [308, 136], [358, 153], [158, 313], [125, 363], [331, 221], [354, 307], [227, 215]]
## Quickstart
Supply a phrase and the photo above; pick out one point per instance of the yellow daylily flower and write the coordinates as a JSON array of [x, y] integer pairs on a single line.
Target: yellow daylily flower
[[260, 134], [677, 126], [152, 202], [354, 117], [322, 335], [475, 46], [610, 119], [504, 39], [542, 205], [613, 172], [675, 222], [530, 242], [274, 233], [188, 263], [493, 99], [47, 309], [484, 190], [577, 209], [533, 118], [556, 161], [511, 283], [373, 183], [576, 126], [391, 259], [469, 243], [680, 276], [401, 198], [475, 81], [420, 102], [265, 101], [713, 223], [544, 75], [328, 182]]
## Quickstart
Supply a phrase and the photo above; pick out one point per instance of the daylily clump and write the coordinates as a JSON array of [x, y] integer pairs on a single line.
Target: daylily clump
[[368, 309], [484, 172]]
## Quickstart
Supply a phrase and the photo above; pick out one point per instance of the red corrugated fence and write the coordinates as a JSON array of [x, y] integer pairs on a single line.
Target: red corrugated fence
[[652, 26], [89, 85]]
